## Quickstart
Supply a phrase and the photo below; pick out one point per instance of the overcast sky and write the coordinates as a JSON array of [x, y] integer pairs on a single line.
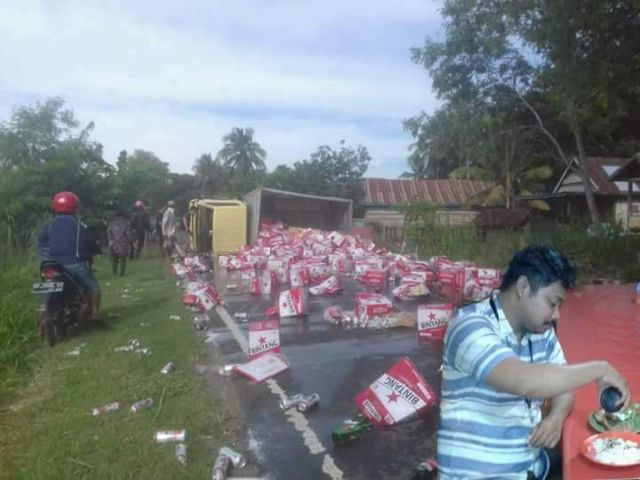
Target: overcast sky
[[174, 76]]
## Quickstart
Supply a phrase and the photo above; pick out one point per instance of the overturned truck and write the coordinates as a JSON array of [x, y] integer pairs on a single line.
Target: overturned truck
[[297, 210]]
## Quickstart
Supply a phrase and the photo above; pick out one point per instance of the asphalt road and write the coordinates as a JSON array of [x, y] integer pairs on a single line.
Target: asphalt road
[[337, 364]]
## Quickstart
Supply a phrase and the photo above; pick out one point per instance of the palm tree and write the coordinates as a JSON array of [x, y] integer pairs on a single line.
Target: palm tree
[[209, 172], [418, 163], [240, 153]]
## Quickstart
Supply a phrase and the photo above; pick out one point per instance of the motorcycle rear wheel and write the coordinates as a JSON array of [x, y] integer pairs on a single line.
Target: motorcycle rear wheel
[[52, 330]]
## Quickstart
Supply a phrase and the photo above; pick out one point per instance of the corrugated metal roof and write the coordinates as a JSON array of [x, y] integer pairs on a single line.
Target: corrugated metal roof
[[599, 170], [381, 191]]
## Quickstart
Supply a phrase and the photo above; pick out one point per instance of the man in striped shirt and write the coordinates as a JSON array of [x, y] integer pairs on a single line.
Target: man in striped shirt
[[501, 358]]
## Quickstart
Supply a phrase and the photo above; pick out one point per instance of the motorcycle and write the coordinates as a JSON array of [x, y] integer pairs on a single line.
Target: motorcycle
[[65, 304]]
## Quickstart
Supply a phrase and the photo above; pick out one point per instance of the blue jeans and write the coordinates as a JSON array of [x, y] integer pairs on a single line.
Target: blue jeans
[[82, 273]]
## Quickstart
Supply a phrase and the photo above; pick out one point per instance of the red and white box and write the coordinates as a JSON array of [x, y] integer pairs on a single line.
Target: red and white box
[[330, 286], [441, 263], [282, 274], [209, 297], [375, 262], [399, 395], [183, 271], [374, 278], [299, 275], [451, 278], [263, 367], [414, 277], [489, 274], [337, 238], [263, 284], [292, 303], [362, 266], [433, 320], [264, 337], [369, 304], [190, 299]]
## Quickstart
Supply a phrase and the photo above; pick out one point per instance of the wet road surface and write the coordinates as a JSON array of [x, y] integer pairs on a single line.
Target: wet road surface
[[337, 364]]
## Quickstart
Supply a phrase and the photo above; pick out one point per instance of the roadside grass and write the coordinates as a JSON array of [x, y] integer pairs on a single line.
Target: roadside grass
[[48, 432], [17, 316]]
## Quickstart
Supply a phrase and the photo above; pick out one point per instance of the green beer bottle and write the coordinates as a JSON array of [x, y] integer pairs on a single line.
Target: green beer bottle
[[352, 430], [427, 470]]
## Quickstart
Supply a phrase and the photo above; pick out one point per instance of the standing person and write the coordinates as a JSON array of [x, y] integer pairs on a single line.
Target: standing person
[[120, 235], [159, 236], [67, 241], [169, 227], [501, 357], [141, 225]]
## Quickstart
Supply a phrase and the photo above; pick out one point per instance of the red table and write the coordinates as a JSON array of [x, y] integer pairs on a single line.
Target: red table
[[598, 322]]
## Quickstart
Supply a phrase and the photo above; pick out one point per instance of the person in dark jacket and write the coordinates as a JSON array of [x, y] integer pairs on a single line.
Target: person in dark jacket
[[121, 236], [68, 241], [141, 225]]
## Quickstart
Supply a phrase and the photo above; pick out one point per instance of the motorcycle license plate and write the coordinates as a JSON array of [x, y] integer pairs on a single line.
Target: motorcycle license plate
[[47, 287]]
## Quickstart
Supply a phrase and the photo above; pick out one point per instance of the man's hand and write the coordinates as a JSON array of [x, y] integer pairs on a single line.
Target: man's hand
[[612, 377], [547, 433]]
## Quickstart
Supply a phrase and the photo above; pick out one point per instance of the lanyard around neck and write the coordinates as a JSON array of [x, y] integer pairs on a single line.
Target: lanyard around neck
[[495, 312]]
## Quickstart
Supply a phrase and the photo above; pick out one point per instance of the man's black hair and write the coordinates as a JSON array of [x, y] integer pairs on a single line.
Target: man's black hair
[[542, 265]]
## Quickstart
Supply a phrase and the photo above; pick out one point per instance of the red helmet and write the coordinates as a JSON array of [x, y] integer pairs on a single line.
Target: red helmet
[[65, 202], [139, 204]]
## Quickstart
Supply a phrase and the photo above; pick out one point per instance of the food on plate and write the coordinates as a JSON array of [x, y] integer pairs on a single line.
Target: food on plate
[[616, 451]]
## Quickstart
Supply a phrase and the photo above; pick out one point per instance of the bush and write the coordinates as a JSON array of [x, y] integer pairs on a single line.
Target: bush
[[614, 255]]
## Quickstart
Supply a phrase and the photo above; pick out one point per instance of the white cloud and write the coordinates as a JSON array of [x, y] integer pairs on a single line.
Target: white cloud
[[174, 77]]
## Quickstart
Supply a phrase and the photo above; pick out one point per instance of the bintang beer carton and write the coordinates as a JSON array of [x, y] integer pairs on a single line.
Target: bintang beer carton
[[209, 297], [264, 337], [376, 278], [292, 303], [369, 305], [433, 320], [399, 395]]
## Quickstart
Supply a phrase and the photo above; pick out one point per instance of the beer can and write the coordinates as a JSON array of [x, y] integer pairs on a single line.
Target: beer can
[[174, 317], [287, 402], [241, 315], [142, 404], [181, 453], [109, 407], [238, 460], [307, 403], [168, 368], [227, 370], [220, 468], [166, 436], [232, 286]]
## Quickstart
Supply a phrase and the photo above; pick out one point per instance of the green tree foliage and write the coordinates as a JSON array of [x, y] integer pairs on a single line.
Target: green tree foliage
[[211, 175], [336, 173], [241, 154], [141, 176], [42, 152], [572, 65]]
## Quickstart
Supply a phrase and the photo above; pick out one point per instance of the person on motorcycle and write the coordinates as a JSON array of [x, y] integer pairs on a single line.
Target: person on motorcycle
[[67, 241]]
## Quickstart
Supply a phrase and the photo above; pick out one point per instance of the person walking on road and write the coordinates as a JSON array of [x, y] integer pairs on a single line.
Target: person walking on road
[[120, 235], [169, 227], [141, 225], [501, 358]]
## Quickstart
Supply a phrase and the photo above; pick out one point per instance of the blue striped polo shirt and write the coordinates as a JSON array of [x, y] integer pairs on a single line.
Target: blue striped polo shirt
[[484, 433]]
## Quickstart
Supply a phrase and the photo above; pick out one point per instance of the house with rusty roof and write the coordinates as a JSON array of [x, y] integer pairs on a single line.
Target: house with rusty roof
[[616, 187], [454, 198]]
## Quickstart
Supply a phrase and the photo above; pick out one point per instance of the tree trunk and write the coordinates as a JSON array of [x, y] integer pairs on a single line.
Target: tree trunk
[[586, 179]]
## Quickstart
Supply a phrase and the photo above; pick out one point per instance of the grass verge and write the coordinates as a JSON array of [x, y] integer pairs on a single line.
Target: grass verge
[[47, 431]]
